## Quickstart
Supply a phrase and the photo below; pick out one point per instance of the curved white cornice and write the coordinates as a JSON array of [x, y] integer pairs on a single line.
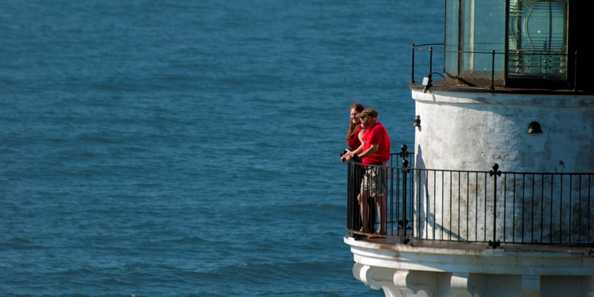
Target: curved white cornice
[[407, 271], [496, 261], [506, 99]]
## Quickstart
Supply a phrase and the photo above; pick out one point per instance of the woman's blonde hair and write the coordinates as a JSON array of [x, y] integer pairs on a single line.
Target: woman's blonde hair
[[351, 128]]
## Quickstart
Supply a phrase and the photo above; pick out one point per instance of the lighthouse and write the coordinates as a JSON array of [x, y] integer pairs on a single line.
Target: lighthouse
[[496, 198]]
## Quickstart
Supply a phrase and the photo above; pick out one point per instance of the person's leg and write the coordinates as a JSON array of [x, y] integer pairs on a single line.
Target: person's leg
[[359, 171], [363, 197], [354, 186], [364, 208], [372, 213], [380, 198], [381, 207], [356, 213]]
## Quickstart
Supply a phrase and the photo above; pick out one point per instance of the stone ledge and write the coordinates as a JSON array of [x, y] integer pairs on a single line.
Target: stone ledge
[[505, 99], [464, 260], [402, 270]]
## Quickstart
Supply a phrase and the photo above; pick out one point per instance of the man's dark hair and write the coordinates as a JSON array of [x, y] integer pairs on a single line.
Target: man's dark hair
[[368, 112]]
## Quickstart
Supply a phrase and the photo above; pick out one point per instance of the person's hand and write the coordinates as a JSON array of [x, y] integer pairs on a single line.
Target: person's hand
[[347, 156], [343, 156]]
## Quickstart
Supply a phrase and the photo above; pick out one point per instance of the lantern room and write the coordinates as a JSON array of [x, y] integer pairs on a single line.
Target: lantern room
[[530, 44]]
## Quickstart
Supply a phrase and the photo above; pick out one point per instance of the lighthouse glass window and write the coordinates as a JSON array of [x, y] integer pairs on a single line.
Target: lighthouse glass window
[[474, 29], [451, 41], [482, 33], [537, 39]]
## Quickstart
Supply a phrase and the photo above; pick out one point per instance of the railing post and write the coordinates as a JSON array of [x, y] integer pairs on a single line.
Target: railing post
[[412, 72], [575, 70], [430, 64], [405, 169], [390, 205], [495, 172], [493, 71], [349, 217]]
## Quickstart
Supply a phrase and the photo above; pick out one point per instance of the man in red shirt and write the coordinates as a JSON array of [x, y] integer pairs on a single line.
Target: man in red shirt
[[374, 153]]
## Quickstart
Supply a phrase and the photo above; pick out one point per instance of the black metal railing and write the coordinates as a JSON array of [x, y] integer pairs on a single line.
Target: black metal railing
[[492, 206], [392, 175], [424, 67], [498, 68]]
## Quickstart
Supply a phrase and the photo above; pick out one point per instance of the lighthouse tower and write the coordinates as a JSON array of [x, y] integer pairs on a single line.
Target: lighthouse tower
[[496, 199]]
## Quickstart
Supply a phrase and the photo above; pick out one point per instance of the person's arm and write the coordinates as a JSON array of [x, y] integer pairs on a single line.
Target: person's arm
[[350, 154], [358, 150], [372, 149], [373, 139]]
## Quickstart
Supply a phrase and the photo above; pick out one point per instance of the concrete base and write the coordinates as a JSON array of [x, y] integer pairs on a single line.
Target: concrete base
[[407, 271]]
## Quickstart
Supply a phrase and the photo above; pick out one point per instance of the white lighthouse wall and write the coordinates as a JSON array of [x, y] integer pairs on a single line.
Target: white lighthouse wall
[[472, 131]]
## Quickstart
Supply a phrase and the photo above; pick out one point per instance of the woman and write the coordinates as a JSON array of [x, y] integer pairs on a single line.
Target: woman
[[355, 171], [352, 136]]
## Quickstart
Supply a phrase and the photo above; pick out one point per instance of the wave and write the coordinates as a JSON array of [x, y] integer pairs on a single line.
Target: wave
[[304, 210], [191, 240], [19, 243], [266, 272]]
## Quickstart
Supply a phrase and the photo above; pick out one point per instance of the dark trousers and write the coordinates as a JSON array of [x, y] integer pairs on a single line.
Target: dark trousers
[[355, 172]]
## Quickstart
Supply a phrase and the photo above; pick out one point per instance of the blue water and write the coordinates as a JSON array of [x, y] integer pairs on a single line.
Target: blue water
[[189, 148]]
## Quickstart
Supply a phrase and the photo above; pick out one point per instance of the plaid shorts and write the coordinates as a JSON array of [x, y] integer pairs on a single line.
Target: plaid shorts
[[375, 181]]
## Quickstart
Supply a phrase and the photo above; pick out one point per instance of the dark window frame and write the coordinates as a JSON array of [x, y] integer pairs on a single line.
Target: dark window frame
[[568, 82]]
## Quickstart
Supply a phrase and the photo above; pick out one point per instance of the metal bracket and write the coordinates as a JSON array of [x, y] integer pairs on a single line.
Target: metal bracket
[[417, 121], [494, 244]]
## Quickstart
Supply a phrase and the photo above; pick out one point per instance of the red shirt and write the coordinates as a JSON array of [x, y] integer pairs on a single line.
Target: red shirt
[[353, 143], [376, 135]]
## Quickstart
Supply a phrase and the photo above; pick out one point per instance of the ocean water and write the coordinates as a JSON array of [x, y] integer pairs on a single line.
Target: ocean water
[[190, 147]]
